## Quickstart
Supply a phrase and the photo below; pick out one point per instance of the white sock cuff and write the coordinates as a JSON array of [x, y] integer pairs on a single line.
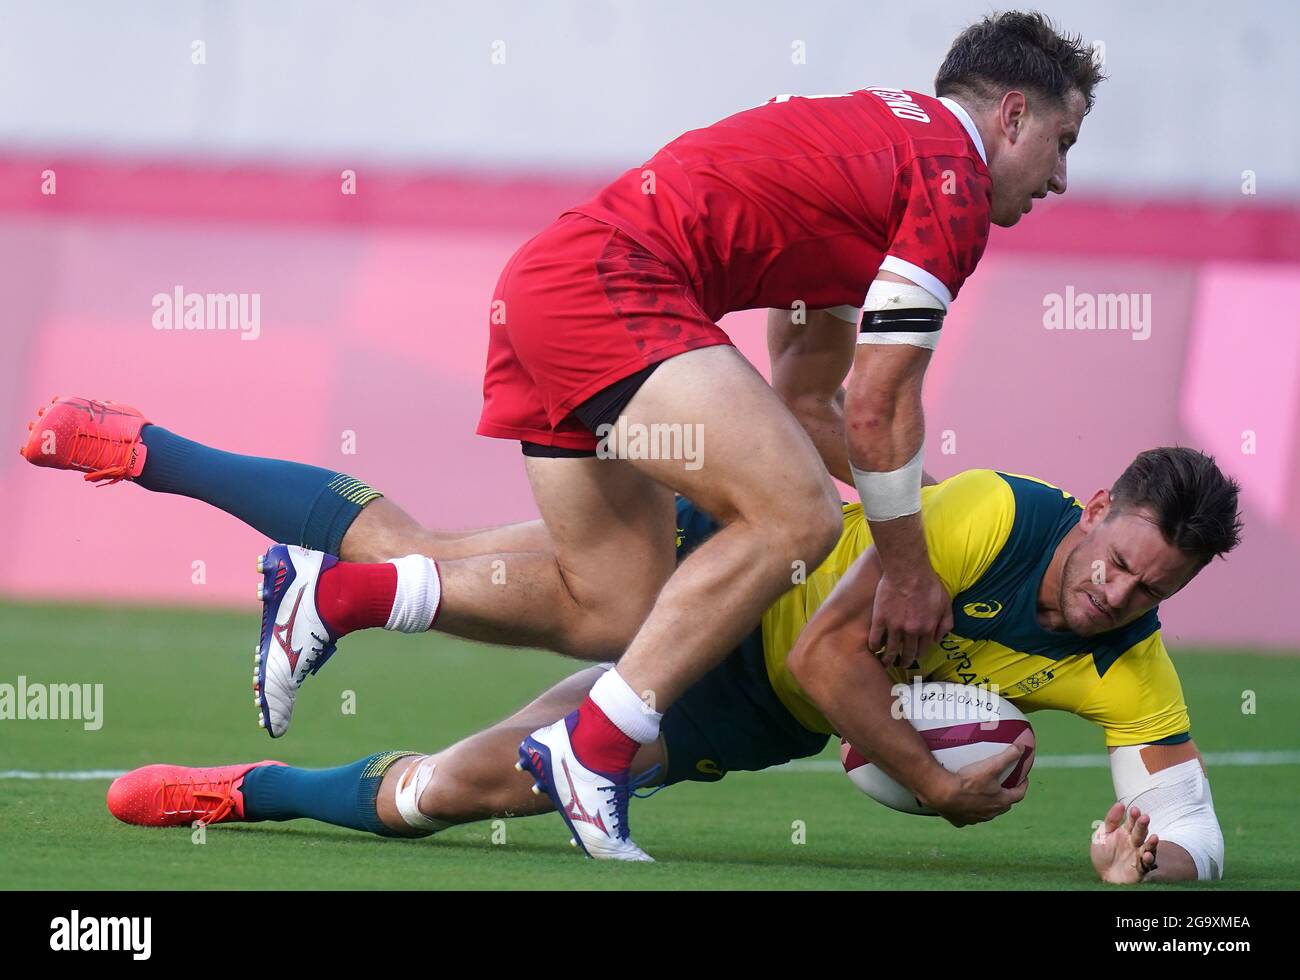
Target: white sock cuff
[[624, 707], [419, 593]]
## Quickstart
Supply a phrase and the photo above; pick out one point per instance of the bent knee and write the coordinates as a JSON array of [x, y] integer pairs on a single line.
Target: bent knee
[[804, 524], [830, 527], [603, 634], [819, 530], [606, 614]]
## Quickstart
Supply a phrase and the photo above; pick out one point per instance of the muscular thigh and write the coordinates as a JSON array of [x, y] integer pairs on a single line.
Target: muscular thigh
[[749, 456], [612, 530]]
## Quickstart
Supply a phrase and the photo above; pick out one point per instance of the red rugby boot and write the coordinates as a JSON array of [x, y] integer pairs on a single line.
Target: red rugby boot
[[177, 796], [100, 439]]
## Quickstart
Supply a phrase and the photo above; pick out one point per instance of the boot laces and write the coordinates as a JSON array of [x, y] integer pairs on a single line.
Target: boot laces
[[624, 790], [188, 796]]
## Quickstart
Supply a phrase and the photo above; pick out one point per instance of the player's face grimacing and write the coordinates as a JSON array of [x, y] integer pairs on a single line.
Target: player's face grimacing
[[1037, 136], [1120, 570]]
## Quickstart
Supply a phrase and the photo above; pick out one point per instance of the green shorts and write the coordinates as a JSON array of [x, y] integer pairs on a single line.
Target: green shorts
[[730, 719]]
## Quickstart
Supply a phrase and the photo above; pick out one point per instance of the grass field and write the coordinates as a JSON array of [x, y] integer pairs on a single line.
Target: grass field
[[177, 689]]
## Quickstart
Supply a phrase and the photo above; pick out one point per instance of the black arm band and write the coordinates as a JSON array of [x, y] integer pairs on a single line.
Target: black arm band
[[901, 321]]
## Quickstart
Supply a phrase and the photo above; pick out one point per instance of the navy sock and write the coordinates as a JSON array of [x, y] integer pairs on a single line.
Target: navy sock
[[288, 502], [344, 797]]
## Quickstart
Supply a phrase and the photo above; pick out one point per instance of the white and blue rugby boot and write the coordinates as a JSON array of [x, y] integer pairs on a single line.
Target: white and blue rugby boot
[[593, 804], [295, 641]]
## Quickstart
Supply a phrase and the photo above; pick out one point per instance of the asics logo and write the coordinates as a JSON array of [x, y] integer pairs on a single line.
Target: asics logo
[[281, 632], [982, 610], [575, 809]]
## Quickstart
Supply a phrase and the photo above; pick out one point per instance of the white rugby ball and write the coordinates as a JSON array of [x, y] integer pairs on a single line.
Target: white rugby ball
[[960, 724]]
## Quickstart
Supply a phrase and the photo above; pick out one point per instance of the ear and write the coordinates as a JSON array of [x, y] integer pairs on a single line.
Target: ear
[[1095, 510], [1011, 114]]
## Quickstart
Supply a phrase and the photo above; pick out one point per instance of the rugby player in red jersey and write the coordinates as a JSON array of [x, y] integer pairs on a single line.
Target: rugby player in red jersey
[[855, 218], [873, 207]]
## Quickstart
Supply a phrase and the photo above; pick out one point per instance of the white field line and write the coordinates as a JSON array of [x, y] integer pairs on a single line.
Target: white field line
[[76, 774], [1284, 757]]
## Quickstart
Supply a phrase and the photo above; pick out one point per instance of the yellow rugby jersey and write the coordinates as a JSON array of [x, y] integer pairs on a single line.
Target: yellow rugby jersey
[[991, 536]]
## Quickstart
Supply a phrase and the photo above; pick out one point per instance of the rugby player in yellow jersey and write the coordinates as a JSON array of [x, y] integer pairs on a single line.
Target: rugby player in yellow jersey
[[1054, 603]]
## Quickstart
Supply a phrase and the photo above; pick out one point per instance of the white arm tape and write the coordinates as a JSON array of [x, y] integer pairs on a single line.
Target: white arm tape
[[886, 496], [1179, 803], [886, 295], [409, 789]]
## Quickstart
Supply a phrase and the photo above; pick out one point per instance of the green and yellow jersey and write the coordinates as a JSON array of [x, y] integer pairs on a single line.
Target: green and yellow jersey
[[991, 536]]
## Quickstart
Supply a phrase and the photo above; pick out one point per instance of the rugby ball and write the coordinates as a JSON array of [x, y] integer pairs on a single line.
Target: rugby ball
[[960, 724]]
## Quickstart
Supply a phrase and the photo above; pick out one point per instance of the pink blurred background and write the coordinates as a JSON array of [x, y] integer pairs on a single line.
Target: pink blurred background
[[373, 322]]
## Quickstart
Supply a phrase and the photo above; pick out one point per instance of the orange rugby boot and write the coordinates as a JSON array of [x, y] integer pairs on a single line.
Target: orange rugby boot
[[178, 796], [100, 439]]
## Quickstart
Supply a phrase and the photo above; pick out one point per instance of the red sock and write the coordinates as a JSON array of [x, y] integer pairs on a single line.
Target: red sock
[[354, 596], [600, 744]]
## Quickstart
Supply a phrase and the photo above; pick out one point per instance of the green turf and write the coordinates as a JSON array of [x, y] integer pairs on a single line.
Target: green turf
[[177, 688]]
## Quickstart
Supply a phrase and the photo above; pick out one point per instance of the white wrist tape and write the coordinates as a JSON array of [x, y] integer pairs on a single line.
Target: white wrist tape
[[894, 301], [407, 798], [886, 496], [1179, 803]]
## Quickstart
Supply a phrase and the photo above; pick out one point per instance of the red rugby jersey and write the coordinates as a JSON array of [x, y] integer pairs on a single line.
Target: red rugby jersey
[[806, 198]]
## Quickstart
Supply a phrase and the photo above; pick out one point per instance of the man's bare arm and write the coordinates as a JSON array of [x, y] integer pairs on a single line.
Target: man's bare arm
[[834, 669], [885, 428], [809, 363]]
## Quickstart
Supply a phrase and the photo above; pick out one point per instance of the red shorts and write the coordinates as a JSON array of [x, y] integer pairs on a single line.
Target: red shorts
[[577, 308]]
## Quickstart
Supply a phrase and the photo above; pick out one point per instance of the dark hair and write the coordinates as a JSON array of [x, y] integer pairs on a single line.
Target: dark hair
[[1018, 50], [1192, 502]]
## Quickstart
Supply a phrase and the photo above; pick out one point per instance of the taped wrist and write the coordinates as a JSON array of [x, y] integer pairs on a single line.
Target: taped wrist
[[887, 496], [1179, 803]]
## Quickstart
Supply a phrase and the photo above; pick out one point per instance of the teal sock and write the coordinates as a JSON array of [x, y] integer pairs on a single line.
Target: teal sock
[[344, 797], [288, 502]]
